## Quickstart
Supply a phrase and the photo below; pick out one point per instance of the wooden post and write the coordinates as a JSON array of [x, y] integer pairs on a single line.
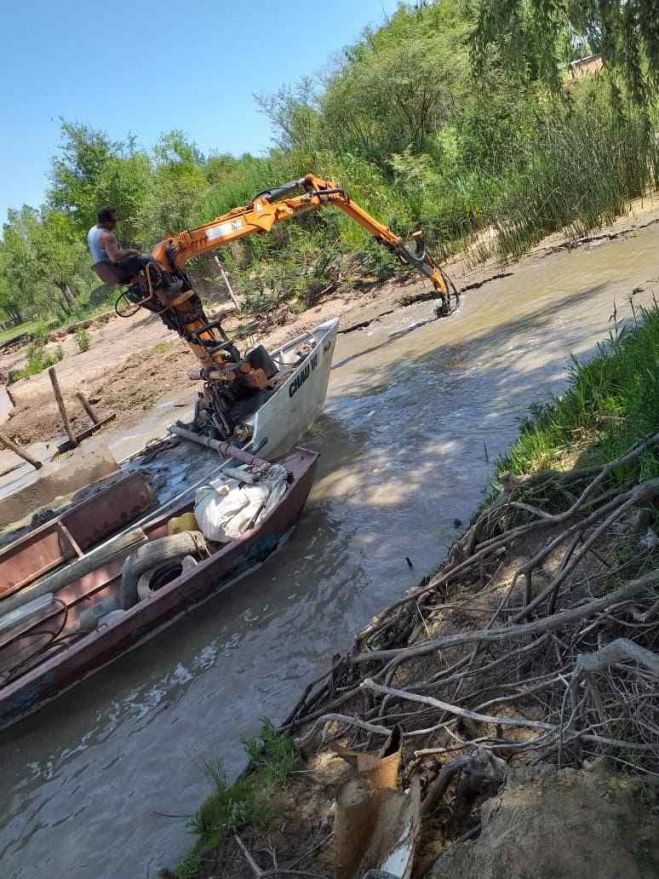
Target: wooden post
[[10, 444], [86, 405], [225, 278], [60, 406]]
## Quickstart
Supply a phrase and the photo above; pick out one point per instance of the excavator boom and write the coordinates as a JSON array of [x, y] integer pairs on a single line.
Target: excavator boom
[[276, 205], [227, 376]]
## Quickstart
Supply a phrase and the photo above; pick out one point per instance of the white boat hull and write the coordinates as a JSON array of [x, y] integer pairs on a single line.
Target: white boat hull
[[291, 411]]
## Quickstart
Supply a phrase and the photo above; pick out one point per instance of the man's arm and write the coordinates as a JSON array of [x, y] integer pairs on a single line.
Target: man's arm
[[112, 248]]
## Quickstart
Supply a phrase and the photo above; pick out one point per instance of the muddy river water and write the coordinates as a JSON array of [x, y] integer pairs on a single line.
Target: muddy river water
[[415, 417]]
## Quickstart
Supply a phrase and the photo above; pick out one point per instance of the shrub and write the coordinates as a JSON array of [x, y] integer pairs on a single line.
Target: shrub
[[83, 340], [38, 359]]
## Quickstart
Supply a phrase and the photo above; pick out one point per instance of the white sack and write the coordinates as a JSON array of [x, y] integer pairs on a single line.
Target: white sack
[[225, 509]]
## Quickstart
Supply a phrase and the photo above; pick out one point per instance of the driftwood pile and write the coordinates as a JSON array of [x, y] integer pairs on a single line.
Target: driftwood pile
[[537, 640]]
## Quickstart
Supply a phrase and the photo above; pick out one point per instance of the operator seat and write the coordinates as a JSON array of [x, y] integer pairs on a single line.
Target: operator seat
[[259, 358]]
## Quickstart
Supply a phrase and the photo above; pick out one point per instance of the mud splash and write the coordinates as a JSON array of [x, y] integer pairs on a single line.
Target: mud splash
[[416, 416]]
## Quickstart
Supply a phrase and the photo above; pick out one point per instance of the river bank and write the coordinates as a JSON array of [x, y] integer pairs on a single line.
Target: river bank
[[533, 643]]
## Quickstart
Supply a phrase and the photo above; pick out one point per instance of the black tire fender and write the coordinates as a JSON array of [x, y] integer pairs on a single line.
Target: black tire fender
[[145, 586]]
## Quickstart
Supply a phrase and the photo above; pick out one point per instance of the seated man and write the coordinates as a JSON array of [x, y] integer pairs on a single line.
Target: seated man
[[116, 265]]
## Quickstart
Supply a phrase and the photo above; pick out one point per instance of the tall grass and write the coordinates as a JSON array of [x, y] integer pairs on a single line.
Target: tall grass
[[612, 402], [583, 173]]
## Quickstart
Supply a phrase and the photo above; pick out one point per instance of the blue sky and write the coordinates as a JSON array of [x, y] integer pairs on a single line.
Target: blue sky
[[147, 67]]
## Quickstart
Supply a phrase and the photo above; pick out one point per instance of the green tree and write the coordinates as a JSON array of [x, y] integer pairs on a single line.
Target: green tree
[[10, 304], [178, 186], [83, 155], [537, 35], [92, 170], [61, 257], [295, 115], [399, 84], [44, 264], [19, 263]]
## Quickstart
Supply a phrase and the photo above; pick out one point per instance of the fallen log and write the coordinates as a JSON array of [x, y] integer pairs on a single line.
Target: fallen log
[[18, 450]]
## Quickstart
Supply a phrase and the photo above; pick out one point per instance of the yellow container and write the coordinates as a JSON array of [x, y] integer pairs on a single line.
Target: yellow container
[[186, 522]]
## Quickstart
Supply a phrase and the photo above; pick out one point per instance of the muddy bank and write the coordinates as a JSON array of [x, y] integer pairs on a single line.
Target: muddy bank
[[589, 824], [592, 823]]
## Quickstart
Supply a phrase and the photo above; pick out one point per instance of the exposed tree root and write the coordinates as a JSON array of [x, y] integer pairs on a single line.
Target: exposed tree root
[[537, 638]]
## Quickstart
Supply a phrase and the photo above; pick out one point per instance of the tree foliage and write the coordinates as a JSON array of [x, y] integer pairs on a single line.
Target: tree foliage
[[535, 35], [92, 170]]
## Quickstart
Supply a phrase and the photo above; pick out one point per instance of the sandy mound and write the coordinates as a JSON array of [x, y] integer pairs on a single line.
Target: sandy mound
[[560, 825]]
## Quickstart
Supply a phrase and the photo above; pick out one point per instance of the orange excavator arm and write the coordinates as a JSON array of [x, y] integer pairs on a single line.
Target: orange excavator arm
[[183, 311], [165, 288], [276, 205]]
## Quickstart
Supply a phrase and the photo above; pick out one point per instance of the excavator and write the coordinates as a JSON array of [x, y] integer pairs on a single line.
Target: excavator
[[228, 377]]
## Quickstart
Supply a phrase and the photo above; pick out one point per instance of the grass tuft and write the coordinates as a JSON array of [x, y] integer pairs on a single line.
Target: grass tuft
[[612, 402], [254, 799], [38, 359]]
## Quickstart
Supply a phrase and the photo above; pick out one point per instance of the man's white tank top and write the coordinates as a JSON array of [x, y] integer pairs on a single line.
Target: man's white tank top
[[96, 247]]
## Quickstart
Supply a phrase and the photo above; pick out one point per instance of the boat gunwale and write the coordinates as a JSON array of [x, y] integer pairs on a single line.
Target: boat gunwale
[[330, 324]]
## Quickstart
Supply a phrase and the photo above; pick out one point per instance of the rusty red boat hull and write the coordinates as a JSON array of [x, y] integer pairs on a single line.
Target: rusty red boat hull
[[91, 652], [70, 535]]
